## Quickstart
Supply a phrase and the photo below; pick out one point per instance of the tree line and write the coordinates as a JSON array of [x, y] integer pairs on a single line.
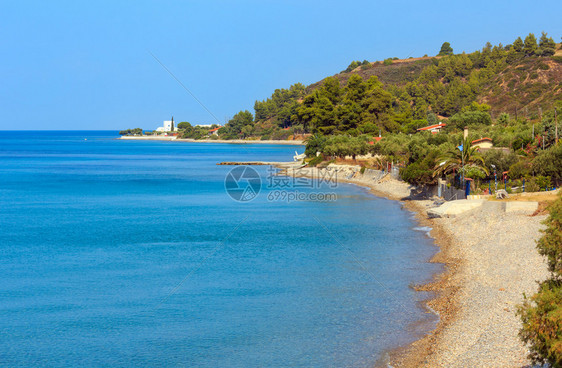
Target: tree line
[[443, 88]]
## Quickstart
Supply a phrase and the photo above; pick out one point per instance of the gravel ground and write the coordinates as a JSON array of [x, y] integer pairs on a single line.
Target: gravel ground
[[500, 263]]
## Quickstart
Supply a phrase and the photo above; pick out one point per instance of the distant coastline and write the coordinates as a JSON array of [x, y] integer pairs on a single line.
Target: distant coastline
[[232, 141]]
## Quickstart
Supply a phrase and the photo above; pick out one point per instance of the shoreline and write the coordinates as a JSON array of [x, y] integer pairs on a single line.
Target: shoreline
[[229, 141], [475, 296]]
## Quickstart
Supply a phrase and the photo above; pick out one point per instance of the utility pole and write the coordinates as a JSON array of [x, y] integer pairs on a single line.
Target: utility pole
[[556, 125]]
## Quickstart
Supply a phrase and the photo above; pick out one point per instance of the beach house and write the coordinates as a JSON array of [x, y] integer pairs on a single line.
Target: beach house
[[483, 144], [436, 128], [167, 126], [214, 131]]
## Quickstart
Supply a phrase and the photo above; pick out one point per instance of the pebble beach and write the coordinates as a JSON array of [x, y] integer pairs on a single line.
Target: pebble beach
[[491, 261]]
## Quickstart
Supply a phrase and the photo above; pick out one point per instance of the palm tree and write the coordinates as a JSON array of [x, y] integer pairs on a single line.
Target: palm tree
[[460, 160]]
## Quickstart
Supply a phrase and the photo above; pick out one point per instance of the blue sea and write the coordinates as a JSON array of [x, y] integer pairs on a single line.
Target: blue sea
[[132, 253]]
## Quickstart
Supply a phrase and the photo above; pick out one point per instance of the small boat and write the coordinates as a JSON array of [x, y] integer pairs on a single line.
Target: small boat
[[298, 157]]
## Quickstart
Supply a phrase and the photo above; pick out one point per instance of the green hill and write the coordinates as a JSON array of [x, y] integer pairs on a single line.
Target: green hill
[[519, 85], [523, 79]]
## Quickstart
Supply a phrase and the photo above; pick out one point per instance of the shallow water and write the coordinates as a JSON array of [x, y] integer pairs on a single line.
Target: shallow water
[[132, 253]]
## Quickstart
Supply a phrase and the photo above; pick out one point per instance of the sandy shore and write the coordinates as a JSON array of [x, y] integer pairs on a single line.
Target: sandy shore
[[490, 260], [233, 141]]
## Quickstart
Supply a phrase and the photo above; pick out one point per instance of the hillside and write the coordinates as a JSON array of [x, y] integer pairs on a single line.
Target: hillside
[[399, 72], [523, 79], [521, 88]]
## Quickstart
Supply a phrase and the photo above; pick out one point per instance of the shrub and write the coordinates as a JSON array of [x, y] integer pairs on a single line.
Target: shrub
[[543, 181], [281, 134], [541, 324], [387, 61], [531, 185], [316, 160], [421, 171], [549, 163], [542, 313], [520, 169]]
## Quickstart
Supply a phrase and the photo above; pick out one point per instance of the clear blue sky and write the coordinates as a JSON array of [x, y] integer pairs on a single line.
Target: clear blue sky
[[87, 65]]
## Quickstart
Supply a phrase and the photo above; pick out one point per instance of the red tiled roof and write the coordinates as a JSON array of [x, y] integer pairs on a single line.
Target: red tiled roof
[[440, 125], [214, 130], [482, 140]]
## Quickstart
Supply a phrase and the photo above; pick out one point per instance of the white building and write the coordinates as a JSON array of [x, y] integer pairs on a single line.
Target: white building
[[168, 126]]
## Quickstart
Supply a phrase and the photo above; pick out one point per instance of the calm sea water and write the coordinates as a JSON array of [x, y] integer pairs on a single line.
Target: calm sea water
[[129, 253]]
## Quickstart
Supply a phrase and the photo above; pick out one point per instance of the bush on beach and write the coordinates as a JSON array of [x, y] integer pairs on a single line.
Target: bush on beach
[[541, 314]]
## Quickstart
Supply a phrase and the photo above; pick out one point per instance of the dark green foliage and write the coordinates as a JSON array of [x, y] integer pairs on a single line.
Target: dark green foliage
[[542, 313], [501, 160], [470, 119], [281, 107], [446, 49], [184, 125], [432, 118], [547, 46], [520, 169], [530, 46], [135, 131], [518, 45], [549, 163], [344, 145], [354, 64], [315, 161], [421, 171], [315, 143], [469, 160], [361, 106], [365, 65], [240, 126], [198, 132]]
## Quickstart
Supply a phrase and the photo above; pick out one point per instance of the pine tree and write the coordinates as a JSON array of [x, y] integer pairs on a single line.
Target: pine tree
[[530, 46], [446, 49], [518, 45], [547, 46]]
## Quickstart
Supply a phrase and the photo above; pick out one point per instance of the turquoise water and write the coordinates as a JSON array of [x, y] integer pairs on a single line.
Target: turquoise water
[[131, 253]]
